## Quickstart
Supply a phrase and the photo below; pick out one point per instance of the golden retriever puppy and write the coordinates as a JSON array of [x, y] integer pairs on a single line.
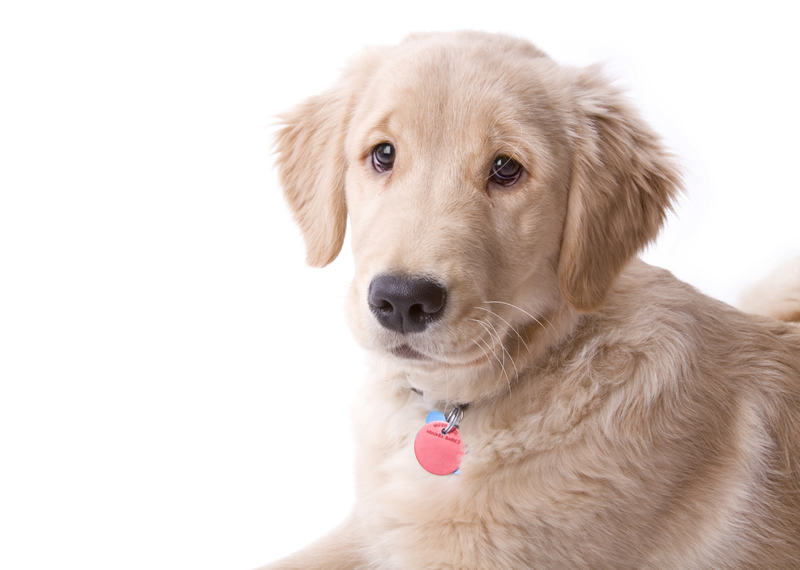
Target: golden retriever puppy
[[591, 411]]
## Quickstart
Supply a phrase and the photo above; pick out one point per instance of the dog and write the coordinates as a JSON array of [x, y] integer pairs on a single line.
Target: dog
[[538, 396]]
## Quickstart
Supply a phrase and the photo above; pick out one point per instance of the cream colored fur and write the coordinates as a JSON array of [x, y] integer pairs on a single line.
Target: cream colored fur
[[778, 295], [617, 418]]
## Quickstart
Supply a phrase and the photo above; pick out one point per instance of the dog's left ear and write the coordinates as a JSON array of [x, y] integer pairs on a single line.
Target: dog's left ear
[[622, 185]]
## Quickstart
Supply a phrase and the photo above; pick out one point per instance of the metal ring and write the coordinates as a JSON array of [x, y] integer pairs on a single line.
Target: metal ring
[[453, 419]]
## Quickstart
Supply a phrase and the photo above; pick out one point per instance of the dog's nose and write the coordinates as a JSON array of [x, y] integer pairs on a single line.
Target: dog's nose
[[406, 304]]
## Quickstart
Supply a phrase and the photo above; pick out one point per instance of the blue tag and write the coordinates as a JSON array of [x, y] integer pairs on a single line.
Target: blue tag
[[435, 417]]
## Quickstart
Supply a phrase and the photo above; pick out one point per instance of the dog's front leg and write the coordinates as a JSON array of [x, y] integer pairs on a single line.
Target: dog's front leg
[[340, 549]]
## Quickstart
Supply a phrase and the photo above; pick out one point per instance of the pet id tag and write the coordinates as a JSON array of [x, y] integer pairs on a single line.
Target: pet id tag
[[438, 445]]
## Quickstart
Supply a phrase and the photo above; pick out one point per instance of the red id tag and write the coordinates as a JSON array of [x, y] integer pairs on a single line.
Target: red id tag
[[438, 453]]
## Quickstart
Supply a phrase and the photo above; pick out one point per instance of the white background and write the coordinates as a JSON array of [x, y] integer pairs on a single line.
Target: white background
[[174, 383]]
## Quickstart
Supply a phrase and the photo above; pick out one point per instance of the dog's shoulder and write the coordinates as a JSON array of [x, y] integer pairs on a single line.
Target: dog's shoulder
[[666, 336]]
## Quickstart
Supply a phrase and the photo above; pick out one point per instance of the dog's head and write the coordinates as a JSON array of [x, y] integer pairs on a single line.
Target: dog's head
[[488, 188]]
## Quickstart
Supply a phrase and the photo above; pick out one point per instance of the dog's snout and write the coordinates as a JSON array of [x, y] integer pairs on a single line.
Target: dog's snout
[[406, 304]]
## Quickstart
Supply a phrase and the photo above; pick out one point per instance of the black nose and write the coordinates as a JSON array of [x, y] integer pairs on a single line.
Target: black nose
[[405, 304]]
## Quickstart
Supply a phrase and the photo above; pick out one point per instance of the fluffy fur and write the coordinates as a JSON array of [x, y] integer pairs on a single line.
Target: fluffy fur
[[778, 295], [617, 418]]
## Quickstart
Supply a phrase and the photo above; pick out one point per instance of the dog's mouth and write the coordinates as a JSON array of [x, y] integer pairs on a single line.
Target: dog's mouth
[[438, 348], [405, 351]]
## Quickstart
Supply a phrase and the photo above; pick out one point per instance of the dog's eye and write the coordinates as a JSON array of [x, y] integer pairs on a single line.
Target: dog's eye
[[505, 171], [383, 157]]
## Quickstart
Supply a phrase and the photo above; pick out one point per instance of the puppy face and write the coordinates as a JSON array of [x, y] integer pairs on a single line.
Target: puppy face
[[475, 182], [488, 189]]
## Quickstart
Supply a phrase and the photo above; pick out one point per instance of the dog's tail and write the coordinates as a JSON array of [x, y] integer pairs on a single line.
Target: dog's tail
[[778, 295]]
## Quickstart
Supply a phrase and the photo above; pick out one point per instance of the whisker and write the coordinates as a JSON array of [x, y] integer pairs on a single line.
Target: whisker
[[486, 354], [503, 371], [494, 352], [525, 312], [505, 352], [497, 336], [516, 332], [479, 346]]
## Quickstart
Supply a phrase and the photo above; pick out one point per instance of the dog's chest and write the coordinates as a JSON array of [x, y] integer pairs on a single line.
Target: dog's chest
[[497, 508], [530, 487]]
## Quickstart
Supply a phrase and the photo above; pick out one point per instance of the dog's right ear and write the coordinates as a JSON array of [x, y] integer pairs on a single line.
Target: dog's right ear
[[312, 163]]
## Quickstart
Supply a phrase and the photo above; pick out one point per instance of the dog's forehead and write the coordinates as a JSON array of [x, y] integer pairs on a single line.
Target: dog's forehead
[[451, 86]]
